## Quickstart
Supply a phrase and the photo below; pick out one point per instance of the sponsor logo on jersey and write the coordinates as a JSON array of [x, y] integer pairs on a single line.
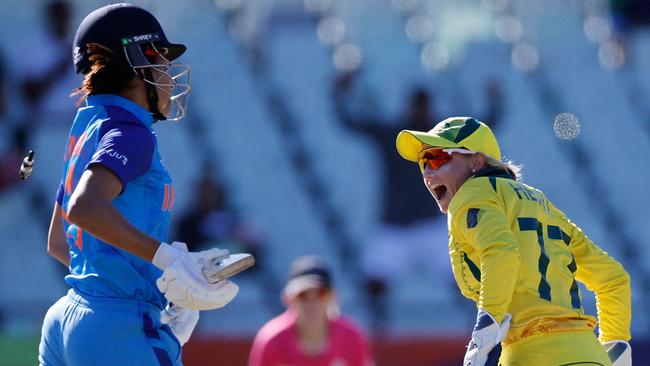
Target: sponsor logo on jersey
[[114, 154]]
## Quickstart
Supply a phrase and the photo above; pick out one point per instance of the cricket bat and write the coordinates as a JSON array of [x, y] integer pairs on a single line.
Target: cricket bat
[[221, 268]]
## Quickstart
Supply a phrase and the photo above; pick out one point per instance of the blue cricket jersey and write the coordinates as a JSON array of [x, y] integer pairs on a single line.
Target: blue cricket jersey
[[116, 133]]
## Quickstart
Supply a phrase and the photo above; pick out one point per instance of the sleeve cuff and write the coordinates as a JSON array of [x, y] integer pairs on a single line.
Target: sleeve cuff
[[166, 255]]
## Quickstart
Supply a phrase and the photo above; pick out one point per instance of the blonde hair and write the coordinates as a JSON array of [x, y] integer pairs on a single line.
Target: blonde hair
[[515, 170]]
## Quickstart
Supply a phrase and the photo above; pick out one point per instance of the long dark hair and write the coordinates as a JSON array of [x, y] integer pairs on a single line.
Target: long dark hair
[[109, 73]]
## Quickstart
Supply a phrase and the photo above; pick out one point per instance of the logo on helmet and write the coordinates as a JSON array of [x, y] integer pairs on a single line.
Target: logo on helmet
[[151, 37]]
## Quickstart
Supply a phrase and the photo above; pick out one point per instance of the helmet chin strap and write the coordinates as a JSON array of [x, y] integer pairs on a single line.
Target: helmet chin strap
[[152, 95]]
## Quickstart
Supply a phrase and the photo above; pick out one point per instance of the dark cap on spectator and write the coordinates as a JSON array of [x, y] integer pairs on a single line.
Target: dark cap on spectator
[[307, 273]]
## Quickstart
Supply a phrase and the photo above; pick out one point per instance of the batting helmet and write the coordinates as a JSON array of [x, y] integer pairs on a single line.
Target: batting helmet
[[121, 28], [135, 36]]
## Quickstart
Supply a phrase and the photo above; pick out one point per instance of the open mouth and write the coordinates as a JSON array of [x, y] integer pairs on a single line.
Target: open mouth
[[440, 191]]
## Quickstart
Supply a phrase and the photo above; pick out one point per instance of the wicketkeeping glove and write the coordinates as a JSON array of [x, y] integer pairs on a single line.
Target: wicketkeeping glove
[[181, 321], [183, 282], [619, 352], [486, 336]]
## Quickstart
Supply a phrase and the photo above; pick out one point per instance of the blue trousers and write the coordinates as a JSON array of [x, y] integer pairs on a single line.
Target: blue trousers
[[83, 330]]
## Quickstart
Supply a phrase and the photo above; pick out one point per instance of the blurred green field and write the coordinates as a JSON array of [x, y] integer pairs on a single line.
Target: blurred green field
[[18, 350]]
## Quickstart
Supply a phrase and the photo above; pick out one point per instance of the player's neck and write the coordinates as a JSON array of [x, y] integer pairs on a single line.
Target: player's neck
[[136, 93], [313, 335]]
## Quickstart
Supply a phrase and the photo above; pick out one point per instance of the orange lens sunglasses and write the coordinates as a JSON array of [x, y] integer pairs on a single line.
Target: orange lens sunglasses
[[434, 157]]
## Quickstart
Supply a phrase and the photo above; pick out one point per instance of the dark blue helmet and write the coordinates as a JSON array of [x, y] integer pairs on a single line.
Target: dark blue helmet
[[122, 28]]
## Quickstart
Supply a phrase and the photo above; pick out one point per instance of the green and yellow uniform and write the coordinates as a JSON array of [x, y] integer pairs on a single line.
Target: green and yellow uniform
[[512, 251]]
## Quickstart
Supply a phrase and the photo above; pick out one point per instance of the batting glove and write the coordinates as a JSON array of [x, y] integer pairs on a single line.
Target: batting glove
[[619, 352], [181, 321], [486, 337], [183, 282]]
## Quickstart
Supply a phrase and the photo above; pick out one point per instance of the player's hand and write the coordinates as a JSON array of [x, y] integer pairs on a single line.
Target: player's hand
[[181, 321], [183, 282], [484, 347], [619, 352]]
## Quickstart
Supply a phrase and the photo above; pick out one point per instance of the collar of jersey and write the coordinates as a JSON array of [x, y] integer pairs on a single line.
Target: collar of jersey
[[110, 99], [493, 172], [485, 172]]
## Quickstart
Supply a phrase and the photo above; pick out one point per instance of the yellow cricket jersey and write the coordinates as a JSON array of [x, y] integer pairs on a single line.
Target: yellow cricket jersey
[[513, 252]]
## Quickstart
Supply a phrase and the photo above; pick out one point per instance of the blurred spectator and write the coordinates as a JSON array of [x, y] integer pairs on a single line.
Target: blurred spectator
[[403, 202], [627, 15], [494, 104], [411, 230], [311, 331], [209, 222], [630, 14], [47, 69]]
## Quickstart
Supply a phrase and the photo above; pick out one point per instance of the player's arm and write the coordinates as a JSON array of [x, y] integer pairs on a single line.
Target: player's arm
[[485, 226], [457, 262], [106, 175], [90, 207], [264, 350], [57, 246], [364, 122], [482, 222], [607, 279]]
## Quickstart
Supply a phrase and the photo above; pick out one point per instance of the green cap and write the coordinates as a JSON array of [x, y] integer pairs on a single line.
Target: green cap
[[454, 132]]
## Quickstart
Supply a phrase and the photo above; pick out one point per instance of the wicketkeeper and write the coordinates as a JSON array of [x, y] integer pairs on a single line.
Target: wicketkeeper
[[519, 257]]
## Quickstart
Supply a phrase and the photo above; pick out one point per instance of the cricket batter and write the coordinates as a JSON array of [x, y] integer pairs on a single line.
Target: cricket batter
[[519, 257], [111, 215]]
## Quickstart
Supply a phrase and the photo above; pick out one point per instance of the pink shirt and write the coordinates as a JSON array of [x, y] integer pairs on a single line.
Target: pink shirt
[[276, 344]]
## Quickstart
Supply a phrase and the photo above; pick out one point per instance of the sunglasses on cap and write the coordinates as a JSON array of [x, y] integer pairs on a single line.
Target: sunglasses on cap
[[436, 157]]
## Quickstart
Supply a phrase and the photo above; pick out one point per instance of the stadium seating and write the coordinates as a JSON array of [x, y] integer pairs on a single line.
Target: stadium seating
[[234, 109]]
